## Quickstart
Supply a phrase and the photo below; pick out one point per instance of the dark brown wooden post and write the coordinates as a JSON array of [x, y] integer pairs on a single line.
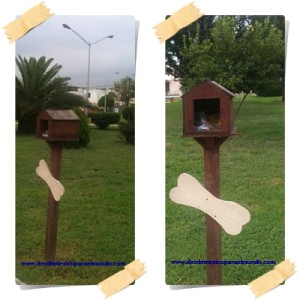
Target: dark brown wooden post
[[55, 127], [211, 147], [52, 212], [207, 117]]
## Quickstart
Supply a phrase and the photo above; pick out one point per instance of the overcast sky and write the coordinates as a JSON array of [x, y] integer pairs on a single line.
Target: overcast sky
[[108, 57]]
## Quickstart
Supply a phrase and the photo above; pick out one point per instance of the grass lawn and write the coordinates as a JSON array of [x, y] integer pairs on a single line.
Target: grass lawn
[[96, 213], [252, 174]]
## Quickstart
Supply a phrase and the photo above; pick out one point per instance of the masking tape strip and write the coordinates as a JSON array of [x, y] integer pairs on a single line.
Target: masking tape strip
[[182, 18], [122, 279], [272, 279], [30, 19], [54, 185]]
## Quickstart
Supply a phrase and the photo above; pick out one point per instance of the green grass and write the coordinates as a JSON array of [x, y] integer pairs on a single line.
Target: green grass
[[252, 174], [96, 213]]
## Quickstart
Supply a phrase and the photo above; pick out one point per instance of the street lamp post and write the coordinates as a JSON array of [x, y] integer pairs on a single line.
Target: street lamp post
[[89, 55]]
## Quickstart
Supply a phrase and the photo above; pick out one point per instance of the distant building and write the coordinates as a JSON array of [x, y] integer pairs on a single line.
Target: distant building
[[95, 93], [172, 86]]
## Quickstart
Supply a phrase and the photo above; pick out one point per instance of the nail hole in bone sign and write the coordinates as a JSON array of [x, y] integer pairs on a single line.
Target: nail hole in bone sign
[[230, 215], [54, 185]]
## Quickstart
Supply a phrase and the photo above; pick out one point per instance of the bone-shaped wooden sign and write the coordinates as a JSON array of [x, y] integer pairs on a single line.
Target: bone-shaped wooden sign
[[230, 215], [54, 185]]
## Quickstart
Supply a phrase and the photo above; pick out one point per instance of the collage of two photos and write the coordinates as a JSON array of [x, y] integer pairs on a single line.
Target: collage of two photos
[[75, 120]]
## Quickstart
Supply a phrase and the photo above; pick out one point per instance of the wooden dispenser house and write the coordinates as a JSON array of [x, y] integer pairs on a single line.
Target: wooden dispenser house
[[207, 111], [58, 125]]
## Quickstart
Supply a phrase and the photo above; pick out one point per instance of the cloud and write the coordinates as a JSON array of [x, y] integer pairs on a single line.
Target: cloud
[[108, 57]]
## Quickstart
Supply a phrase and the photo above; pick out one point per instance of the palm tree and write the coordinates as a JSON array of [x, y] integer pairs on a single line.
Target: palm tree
[[38, 88]]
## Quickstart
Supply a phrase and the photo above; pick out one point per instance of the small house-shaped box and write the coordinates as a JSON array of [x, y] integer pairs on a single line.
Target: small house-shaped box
[[207, 111], [57, 125]]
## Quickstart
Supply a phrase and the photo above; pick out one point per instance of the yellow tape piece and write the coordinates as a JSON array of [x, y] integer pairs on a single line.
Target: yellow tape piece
[[272, 279], [182, 18], [30, 19], [122, 279]]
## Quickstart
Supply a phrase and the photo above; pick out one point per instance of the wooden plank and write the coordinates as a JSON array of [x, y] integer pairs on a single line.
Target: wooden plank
[[54, 185], [52, 212], [230, 215], [213, 229], [66, 114]]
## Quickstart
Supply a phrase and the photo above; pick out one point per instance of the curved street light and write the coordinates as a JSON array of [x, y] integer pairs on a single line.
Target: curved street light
[[66, 26]]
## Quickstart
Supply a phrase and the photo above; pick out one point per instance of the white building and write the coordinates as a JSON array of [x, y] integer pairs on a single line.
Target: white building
[[95, 93], [173, 86]]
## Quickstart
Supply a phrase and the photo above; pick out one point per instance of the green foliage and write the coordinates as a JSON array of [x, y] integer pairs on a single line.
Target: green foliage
[[127, 124], [127, 129], [242, 53], [175, 62], [263, 56], [225, 47], [27, 123], [40, 87], [125, 89], [84, 131], [128, 113], [269, 87], [110, 101], [206, 64], [103, 119]]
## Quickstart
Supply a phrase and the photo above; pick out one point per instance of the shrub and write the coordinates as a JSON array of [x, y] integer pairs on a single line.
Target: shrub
[[127, 130], [128, 113], [269, 87], [110, 101], [103, 119], [114, 117], [27, 124], [84, 131], [127, 125]]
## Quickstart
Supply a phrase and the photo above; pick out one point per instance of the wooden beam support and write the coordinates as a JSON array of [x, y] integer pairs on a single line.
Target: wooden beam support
[[211, 146], [52, 212]]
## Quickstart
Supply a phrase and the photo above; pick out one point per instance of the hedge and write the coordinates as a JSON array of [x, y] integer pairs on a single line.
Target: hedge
[[103, 119]]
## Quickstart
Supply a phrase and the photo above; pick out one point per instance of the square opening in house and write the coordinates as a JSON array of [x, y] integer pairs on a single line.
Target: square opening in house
[[207, 114], [44, 128]]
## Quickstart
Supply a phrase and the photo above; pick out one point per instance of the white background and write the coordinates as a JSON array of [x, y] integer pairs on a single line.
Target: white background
[[150, 148]]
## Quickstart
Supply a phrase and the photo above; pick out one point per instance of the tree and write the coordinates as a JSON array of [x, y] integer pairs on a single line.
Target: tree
[[39, 87], [110, 101], [175, 62], [241, 54], [197, 69], [263, 58], [213, 58], [125, 89]]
